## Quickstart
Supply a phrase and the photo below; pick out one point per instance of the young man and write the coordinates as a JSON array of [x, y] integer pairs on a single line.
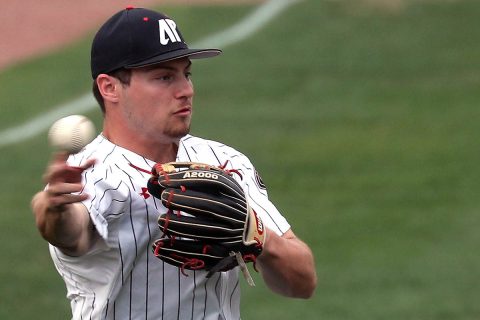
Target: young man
[[96, 211]]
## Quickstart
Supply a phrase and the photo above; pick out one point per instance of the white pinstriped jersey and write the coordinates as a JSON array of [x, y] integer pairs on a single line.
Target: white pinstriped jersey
[[120, 278]]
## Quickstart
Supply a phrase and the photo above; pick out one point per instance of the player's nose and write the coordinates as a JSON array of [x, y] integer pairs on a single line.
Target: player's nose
[[185, 88]]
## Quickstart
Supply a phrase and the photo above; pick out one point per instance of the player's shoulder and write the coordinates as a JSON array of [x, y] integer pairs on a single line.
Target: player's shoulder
[[109, 157], [101, 149]]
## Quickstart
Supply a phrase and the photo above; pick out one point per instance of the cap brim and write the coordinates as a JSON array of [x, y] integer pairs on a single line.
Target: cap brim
[[177, 54]]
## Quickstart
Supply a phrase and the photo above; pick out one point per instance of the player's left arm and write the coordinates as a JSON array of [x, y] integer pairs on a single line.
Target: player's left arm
[[287, 265]]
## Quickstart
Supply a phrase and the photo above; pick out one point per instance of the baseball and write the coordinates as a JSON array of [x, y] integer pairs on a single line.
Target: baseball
[[70, 134]]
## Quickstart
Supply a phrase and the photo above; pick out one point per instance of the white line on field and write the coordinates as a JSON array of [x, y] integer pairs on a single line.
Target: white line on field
[[236, 33]]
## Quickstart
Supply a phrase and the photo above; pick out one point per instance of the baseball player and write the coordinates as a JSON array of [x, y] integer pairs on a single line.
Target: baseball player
[[99, 215]]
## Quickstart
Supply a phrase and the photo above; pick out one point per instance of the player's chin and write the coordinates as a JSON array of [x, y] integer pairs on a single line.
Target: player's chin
[[179, 131]]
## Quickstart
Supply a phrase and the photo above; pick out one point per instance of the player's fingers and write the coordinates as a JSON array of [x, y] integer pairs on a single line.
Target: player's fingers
[[58, 202], [63, 188], [87, 164], [60, 171], [55, 166], [77, 170], [57, 172], [63, 194]]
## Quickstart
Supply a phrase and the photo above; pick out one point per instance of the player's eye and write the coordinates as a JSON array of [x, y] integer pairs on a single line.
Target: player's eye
[[165, 77]]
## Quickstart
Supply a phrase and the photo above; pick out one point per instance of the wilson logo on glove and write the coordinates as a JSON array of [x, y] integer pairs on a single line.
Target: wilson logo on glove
[[221, 230]]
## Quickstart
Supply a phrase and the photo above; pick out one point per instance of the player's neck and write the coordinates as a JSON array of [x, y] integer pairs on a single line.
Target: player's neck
[[158, 151]]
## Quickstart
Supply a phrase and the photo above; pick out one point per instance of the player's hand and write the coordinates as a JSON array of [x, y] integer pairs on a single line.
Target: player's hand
[[64, 182]]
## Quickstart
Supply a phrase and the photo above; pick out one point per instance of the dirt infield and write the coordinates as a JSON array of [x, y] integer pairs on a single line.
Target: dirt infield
[[32, 27]]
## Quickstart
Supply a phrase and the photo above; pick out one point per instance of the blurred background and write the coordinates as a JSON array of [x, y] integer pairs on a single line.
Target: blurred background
[[361, 116]]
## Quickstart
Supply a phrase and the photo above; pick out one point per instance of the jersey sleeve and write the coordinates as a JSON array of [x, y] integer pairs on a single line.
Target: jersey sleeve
[[259, 201], [107, 201], [257, 196]]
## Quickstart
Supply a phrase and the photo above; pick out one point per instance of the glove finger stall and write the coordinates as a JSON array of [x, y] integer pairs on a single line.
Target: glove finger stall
[[199, 229], [202, 204], [192, 255]]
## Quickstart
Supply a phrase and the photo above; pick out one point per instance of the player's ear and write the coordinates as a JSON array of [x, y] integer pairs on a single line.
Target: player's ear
[[108, 87]]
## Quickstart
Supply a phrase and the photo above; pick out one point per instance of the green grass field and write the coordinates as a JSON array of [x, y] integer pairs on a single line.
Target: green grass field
[[363, 123]]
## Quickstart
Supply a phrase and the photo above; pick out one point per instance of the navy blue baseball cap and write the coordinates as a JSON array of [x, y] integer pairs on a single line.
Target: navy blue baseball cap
[[137, 37]]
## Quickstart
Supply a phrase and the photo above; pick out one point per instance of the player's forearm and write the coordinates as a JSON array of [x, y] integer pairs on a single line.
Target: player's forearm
[[287, 266], [61, 226]]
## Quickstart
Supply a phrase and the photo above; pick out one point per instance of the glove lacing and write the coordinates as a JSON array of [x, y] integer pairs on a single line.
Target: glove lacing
[[188, 263]]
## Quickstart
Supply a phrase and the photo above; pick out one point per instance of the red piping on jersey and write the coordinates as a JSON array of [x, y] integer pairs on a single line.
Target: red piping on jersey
[[140, 169], [156, 171]]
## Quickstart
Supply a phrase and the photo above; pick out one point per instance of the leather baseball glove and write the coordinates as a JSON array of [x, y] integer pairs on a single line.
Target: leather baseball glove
[[210, 225]]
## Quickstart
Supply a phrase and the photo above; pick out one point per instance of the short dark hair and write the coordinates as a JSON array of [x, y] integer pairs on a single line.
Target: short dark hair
[[122, 74]]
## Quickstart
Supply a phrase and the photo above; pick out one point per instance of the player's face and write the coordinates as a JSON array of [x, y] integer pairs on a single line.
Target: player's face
[[158, 101]]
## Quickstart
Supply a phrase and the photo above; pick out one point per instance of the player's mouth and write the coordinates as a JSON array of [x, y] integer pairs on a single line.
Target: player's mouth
[[185, 111]]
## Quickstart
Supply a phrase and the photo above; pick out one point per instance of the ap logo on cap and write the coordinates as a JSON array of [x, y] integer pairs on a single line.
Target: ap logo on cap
[[168, 31]]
